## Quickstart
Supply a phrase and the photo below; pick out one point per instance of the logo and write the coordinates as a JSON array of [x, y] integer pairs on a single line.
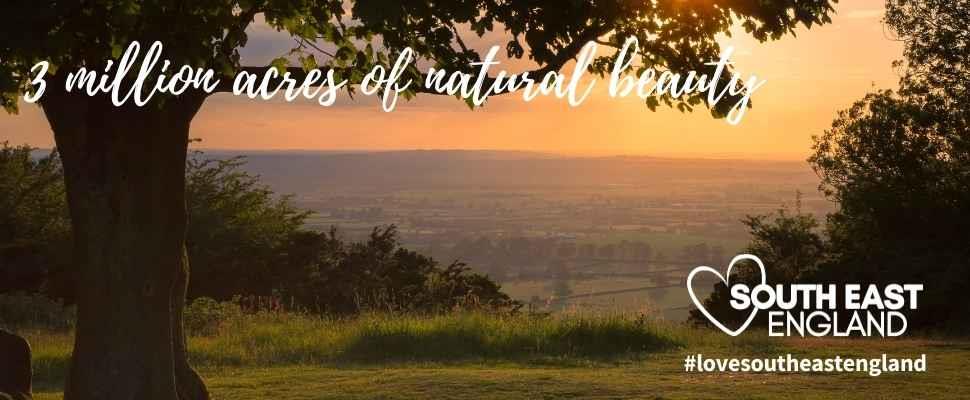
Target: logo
[[813, 309], [724, 278]]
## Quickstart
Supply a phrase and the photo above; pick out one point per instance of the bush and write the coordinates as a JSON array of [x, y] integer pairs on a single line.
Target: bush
[[35, 311], [326, 275], [207, 317]]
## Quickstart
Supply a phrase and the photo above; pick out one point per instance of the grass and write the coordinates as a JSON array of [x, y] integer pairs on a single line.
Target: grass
[[479, 356], [288, 339]]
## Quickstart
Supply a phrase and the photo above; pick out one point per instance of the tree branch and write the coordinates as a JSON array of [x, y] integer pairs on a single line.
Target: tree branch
[[303, 43], [556, 63], [228, 42]]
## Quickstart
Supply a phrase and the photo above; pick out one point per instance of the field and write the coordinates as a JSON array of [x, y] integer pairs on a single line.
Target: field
[[476, 356], [612, 294], [548, 226]]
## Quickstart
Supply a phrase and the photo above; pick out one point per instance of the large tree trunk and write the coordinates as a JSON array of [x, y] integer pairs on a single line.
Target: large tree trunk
[[125, 174]]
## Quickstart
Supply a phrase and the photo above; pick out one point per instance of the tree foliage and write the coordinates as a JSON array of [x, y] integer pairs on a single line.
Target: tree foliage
[[351, 38], [936, 37], [236, 227], [900, 175], [791, 248], [898, 165], [329, 275], [34, 225]]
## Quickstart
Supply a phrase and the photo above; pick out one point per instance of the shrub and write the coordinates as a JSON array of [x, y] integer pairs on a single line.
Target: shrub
[[207, 317], [35, 311]]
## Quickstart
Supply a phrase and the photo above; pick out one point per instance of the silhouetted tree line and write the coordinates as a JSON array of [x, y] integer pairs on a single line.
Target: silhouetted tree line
[[897, 164], [242, 240]]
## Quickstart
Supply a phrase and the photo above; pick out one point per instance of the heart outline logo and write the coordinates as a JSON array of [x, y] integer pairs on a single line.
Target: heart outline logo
[[726, 279]]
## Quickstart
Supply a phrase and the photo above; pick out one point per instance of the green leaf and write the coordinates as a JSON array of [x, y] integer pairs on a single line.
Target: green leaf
[[309, 62], [280, 64]]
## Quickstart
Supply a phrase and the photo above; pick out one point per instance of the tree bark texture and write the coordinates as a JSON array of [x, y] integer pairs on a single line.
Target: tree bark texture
[[125, 174]]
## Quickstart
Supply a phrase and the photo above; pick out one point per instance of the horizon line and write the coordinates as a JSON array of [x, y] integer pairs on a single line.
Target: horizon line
[[726, 156], [700, 156]]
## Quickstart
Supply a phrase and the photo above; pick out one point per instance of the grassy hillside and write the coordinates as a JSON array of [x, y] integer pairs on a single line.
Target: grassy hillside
[[476, 356]]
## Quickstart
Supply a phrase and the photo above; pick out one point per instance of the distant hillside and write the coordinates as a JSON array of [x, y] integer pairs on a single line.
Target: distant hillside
[[302, 171]]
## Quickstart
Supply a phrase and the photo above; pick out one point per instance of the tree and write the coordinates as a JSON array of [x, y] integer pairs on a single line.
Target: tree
[[124, 166], [34, 227], [237, 226], [237, 229], [898, 165], [899, 174], [791, 248]]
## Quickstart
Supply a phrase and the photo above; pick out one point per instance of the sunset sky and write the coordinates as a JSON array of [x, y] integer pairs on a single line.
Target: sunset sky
[[809, 78]]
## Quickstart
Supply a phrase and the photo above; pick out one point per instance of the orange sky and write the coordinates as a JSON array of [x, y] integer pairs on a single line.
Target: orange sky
[[810, 77]]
